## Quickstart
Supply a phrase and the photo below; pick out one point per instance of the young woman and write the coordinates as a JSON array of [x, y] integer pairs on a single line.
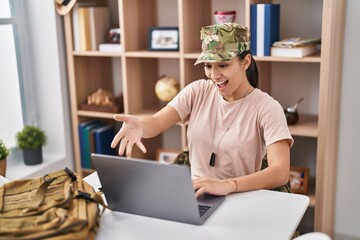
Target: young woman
[[231, 123]]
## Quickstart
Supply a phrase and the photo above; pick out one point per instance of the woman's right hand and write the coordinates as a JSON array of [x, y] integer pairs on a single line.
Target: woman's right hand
[[129, 134]]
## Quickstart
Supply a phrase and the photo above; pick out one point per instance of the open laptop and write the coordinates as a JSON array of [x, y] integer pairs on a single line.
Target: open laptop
[[152, 189]]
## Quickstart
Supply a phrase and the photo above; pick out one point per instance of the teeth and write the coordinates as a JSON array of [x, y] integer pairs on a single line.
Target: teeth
[[219, 83]]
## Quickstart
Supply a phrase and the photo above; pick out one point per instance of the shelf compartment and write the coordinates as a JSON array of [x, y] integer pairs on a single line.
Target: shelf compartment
[[91, 74], [151, 11], [307, 126], [145, 72]]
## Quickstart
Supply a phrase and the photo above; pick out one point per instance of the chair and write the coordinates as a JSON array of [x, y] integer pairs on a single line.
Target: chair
[[313, 236]]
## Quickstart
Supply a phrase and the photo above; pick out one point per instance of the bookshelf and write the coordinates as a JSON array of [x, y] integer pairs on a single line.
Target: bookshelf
[[135, 71]]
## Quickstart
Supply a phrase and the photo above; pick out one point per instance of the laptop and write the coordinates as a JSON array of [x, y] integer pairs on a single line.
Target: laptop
[[152, 189]]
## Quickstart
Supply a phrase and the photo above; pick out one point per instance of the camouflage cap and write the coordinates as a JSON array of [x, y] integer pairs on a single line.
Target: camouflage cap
[[223, 42]]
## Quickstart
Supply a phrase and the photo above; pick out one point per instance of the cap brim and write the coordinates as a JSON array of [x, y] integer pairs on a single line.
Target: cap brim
[[215, 57], [65, 9]]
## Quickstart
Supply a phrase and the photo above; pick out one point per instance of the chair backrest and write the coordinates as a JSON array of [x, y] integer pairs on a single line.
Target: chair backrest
[[313, 236]]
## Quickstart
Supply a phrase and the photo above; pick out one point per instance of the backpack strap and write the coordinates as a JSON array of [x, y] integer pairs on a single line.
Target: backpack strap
[[94, 197], [40, 193]]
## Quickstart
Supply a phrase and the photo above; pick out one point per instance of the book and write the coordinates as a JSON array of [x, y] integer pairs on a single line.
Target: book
[[75, 25], [84, 140], [110, 47], [297, 52], [92, 143], [81, 130], [99, 22], [296, 42], [84, 29], [265, 27], [103, 137]]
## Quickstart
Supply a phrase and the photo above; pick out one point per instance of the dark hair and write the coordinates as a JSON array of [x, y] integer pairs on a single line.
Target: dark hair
[[252, 72]]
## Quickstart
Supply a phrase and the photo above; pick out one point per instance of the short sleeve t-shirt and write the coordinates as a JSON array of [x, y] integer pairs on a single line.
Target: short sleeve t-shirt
[[237, 132]]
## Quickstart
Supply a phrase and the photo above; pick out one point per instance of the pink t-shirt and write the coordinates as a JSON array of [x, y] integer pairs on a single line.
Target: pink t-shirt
[[259, 121]]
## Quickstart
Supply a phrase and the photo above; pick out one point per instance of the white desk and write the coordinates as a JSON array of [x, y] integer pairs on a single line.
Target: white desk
[[3, 180], [261, 214]]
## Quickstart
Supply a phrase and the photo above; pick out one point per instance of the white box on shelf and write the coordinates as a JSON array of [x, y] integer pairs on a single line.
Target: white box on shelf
[[110, 47]]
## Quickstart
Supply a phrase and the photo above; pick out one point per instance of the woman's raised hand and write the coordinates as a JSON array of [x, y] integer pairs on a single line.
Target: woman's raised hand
[[129, 134]]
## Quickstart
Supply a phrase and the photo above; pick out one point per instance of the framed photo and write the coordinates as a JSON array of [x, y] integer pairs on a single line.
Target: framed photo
[[299, 178], [164, 39], [166, 155]]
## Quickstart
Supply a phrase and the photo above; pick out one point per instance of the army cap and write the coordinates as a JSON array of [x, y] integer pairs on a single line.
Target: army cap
[[223, 42]]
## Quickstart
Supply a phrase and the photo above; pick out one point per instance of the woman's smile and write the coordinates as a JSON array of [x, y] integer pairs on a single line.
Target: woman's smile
[[221, 85]]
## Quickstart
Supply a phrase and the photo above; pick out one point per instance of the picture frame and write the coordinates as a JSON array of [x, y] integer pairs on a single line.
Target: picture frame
[[299, 178], [163, 39], [166, 155]]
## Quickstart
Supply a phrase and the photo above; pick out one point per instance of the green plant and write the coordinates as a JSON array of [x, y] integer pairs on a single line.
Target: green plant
[[4, 151], [31, 138]]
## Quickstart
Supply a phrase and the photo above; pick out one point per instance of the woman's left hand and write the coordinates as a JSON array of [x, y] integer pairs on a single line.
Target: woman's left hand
[[218, 187]]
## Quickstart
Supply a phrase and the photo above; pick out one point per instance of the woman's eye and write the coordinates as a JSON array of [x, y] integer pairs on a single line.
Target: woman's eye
[[222, 65], [207, 66]]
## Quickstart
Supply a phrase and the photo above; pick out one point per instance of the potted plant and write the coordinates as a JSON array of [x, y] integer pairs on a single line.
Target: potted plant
[[4, 152], [31, 140]]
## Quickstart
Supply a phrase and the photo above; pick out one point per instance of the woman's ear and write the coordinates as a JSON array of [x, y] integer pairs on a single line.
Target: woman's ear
[[246, 61]]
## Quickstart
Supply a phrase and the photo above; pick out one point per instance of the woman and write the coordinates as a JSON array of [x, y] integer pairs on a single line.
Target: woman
[[231, 123]]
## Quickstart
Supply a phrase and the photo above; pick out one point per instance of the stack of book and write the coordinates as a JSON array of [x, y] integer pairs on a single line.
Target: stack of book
[[90, 26], [295, 47], [94, 137]]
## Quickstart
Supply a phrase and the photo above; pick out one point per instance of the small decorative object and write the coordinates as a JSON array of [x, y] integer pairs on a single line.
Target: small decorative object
[[291, 113], [102, 101], [166, 88], [4, 152], [299, 179], [101, 97], [164, 39], [114, 35], [224, 16], [166, 156], [31, 140]]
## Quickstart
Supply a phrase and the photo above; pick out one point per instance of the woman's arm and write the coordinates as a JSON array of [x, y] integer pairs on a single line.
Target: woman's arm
[[159, 122], [275, 175], [134, 128]]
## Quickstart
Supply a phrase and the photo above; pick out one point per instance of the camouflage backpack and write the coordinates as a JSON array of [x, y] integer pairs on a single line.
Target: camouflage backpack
[[59, 205]]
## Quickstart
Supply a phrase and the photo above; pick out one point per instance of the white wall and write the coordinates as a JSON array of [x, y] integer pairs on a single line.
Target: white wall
[[45, 63], [347, 214]]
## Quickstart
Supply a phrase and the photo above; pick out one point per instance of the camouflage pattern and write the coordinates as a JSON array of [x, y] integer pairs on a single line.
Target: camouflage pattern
[[183, 158], [223, 42]]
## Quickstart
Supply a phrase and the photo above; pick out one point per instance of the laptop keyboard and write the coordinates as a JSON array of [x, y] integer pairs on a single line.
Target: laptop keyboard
[[203, 209]]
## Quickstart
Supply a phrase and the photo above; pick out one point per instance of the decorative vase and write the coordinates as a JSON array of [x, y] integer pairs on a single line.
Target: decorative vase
[[224, 16], [3, 167], [33, 157]]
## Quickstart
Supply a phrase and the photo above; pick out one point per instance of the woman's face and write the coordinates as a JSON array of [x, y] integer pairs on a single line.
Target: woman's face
[[229, 77]]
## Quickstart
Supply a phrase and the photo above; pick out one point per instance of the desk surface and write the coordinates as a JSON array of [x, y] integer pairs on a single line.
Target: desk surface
[[261, 214]]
